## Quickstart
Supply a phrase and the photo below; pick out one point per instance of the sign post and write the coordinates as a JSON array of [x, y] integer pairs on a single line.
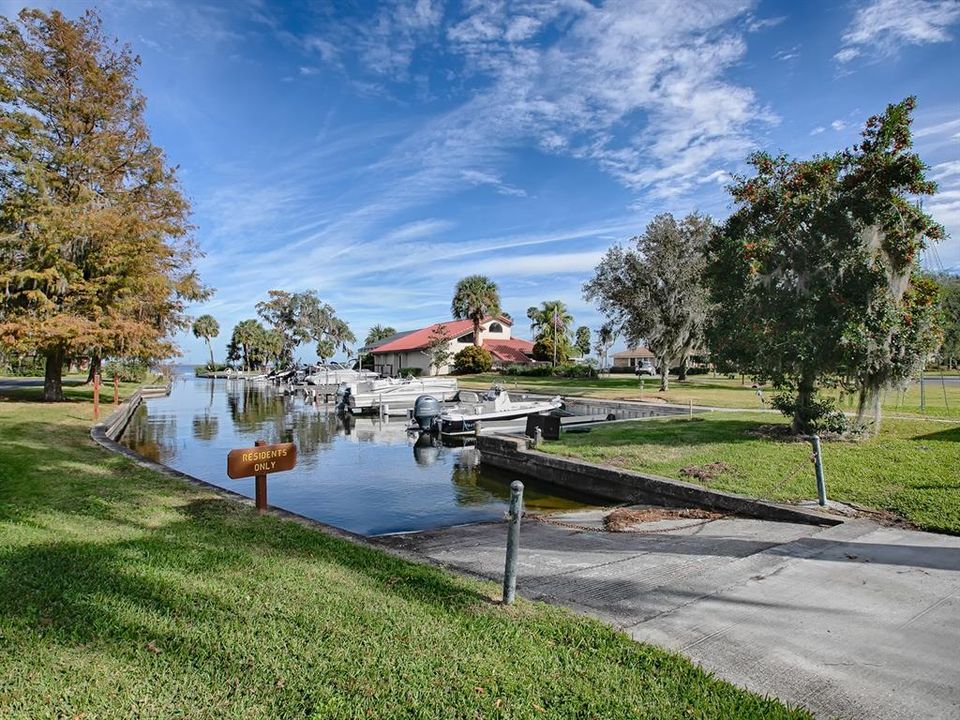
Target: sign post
[[96, 396], [258, 461]]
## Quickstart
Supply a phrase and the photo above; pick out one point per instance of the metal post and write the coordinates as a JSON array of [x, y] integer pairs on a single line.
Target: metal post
[[260, 492], [116, 390], [96, 396], [513, 542], [818, 466], [923, 395]]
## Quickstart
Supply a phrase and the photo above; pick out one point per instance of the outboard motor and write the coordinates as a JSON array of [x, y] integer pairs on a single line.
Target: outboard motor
[[426, 410]]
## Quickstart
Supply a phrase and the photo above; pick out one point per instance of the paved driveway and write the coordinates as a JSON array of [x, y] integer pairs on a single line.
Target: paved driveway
[[855, 621]]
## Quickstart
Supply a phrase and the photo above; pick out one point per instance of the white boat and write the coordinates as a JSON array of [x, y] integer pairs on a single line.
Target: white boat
[[493, 406], [369, 395], [328, 378]]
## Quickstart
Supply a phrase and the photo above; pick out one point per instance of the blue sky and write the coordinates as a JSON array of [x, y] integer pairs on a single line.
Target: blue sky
[[377, 152]]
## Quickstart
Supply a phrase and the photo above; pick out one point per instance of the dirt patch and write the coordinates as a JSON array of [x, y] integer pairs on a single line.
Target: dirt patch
[[783, 433], [618, 460], [706, 473], [623, 519]]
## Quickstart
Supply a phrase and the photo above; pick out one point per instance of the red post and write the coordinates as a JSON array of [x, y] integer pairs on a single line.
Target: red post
[[116, 390], [261, 485], [96, 396]]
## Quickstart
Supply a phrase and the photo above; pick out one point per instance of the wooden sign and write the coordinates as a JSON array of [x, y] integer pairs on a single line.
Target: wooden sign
[[261, 460]]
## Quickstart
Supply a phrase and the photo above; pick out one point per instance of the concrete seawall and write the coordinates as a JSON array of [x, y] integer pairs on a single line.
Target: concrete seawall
[[625, 486]]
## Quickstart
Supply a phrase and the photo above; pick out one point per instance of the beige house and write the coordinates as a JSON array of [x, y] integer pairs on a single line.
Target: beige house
[[410, 350], [632, 357]]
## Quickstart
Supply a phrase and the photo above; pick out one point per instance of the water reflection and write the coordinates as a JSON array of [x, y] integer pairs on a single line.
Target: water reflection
[[352, 472], [205, 426]]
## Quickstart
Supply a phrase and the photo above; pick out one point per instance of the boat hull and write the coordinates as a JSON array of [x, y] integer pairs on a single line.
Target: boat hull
[[454, 423]]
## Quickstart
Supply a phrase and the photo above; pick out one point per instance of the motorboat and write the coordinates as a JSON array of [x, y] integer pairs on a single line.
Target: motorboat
[[362, 396], [329, 377], [493, 406]]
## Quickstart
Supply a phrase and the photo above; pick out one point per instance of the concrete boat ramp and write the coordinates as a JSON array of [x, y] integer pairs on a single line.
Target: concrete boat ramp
[[851, 621]]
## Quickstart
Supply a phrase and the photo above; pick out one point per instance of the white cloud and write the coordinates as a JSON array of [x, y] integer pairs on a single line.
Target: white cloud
[[817, 130], [788, 54], [941, 128], [479, 177], [757, 24], [418, 230], [657, 67], [882, 27], [944, 170], [721, 177], [838, 125]]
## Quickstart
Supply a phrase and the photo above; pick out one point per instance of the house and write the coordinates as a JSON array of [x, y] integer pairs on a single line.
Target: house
[[641, 355], [632, 357], [410, 350]]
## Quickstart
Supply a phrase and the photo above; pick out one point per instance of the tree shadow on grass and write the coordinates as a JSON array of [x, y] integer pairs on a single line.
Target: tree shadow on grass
[[950, 435], [74, 390], [85, 591]]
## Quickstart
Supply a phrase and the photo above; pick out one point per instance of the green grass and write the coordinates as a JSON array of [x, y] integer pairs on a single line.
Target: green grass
[[127, 594], [706, 390], [910, 468]]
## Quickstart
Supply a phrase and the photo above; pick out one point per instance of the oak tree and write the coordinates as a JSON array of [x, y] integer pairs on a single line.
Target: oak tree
[[302, 317], [654, 291], [816, 274]]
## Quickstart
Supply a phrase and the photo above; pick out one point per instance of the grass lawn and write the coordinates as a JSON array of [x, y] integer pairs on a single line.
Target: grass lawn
[[941, 399], [127, 594], [911, 468]]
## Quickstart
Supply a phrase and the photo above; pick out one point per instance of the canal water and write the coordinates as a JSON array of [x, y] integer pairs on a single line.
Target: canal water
[[361, 474]]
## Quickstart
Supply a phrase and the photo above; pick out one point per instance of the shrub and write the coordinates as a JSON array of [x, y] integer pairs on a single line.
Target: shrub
[[574, 370], [820, 416], [411, 372], [22, 365], [125, 370], [472, 359], [619, 370], [536, 370]]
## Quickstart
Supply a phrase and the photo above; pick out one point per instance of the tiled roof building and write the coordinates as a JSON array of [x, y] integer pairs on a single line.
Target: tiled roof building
[[406, 350]]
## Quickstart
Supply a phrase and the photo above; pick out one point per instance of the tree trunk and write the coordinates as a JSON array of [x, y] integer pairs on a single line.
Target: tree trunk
[[664, 372], [682, 376], [53, 375], [868, 402], [477, 342], [95, 362], [210, 348], [806, 389]]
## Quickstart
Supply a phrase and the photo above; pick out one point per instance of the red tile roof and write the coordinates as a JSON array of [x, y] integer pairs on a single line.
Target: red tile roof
[[514, 350], [419, 339]]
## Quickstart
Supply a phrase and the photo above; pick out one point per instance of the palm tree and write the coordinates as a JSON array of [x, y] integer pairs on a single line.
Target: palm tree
[[606, 337], [475, 298], [206, 327], [377, 333], [550, 324]]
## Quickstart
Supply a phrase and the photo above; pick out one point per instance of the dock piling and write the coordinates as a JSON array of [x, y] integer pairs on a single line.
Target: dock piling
[[818, 466], [513, 542]]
